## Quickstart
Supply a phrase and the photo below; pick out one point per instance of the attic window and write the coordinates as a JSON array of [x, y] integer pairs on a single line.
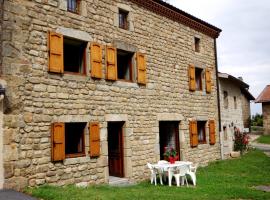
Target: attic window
[[73, 6], [123, 19], [197, 44], [225, 99]]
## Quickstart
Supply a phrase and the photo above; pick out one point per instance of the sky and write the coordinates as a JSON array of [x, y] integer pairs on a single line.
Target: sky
[[244, 44]]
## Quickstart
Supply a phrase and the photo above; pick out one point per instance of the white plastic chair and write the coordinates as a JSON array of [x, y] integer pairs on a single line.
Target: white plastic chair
[[154, 173], [164, 173], [192, 173], [182, 171]]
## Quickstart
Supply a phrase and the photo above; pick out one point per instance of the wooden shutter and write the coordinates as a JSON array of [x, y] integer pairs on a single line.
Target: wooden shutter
[[96, 60], [111, 57], [58, 141], [208, 80], [193, 133], [94, 139], [141, 68], [192, 81], [56, 52], [212, 132]]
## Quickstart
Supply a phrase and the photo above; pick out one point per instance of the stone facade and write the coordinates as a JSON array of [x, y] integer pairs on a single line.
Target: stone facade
[[35, 98], [234, 107], [266, 117]]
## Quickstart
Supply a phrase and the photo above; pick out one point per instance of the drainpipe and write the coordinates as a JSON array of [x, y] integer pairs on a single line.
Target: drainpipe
[[218, 104]]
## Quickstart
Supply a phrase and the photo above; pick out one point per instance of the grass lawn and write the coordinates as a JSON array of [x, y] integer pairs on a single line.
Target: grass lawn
[[265, 139], [231, 179]]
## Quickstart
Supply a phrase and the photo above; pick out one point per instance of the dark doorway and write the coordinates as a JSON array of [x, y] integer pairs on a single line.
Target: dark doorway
[[115, 148], [169, 137]]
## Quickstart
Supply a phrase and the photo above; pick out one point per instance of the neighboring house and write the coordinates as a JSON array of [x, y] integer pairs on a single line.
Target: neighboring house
[[234, 107], [99, 88], [264, 98]]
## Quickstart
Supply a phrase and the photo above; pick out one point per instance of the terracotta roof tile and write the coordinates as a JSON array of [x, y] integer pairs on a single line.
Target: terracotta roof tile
[[264, 96]]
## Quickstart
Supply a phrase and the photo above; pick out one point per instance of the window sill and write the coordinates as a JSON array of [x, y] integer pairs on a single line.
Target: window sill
[[125, 84], [75, 73], [75, 155], [203, 142]]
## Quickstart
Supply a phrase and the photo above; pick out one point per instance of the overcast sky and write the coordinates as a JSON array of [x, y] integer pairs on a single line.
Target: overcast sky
[[244, 43]]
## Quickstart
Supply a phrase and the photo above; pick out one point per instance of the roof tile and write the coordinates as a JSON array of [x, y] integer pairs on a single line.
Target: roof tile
[[264, 96]]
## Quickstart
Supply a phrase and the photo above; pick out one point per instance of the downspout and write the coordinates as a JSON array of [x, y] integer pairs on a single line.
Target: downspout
[[218, 103]]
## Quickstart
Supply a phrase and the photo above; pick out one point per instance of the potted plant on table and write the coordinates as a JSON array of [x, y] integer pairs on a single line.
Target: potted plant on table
[[170, 154]]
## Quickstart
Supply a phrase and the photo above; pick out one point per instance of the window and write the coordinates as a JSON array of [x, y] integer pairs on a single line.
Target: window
[[124, 65], [123, 19], [235, 102], [73, 6], [197, 44], [74, 56], [225, 99], [225, 131], [74, 139], [198, 78], [201, 132]]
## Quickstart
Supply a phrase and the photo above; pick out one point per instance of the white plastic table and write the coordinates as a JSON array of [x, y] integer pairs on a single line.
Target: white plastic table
[[170, 167]]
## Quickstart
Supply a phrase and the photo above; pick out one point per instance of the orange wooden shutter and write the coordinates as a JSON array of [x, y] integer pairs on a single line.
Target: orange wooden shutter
[[56, 52], [208, 80], [58, 141], [96, 60], [192, 81], [94, 139], [141, 68], [111, 55], [193, 133], [212, 132]]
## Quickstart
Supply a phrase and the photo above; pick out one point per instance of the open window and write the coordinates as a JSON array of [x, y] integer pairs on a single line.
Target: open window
[[124, 65], [123, 19], [198, 78], [74, 56], [73, 6], [201, 125], [74, 139]]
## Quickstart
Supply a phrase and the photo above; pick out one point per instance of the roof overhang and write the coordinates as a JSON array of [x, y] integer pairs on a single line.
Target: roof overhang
[[164, 9]]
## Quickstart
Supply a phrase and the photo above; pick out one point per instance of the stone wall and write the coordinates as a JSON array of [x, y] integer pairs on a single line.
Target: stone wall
[[230, 117], [36, 98], [1, 22], [266, 117]]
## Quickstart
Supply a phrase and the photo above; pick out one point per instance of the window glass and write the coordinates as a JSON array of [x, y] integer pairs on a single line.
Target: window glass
[[198, 77], [197, 44], [225, 99], [73, 6]]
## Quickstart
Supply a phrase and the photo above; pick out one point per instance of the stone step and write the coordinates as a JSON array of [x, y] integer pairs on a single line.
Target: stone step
[[116, 181]]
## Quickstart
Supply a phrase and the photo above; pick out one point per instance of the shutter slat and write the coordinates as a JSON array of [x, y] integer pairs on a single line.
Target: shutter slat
[[94, 139], [193, 133], [192, 81], [96, 60], [56, 52], [111, 55], [141, 68], [208, 80], [58, 141], [212, 132]]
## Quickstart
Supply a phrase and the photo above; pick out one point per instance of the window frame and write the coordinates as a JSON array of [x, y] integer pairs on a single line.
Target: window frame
[[226, 99], [77, 10], [124, 14], [131, 66], [199, 124], [80, 154], [84, 58], [200, 78], [197, 46]]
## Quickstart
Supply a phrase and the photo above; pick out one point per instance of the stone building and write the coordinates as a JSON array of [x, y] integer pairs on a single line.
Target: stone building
[[234, 108], [264, 98], [98, 88]]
